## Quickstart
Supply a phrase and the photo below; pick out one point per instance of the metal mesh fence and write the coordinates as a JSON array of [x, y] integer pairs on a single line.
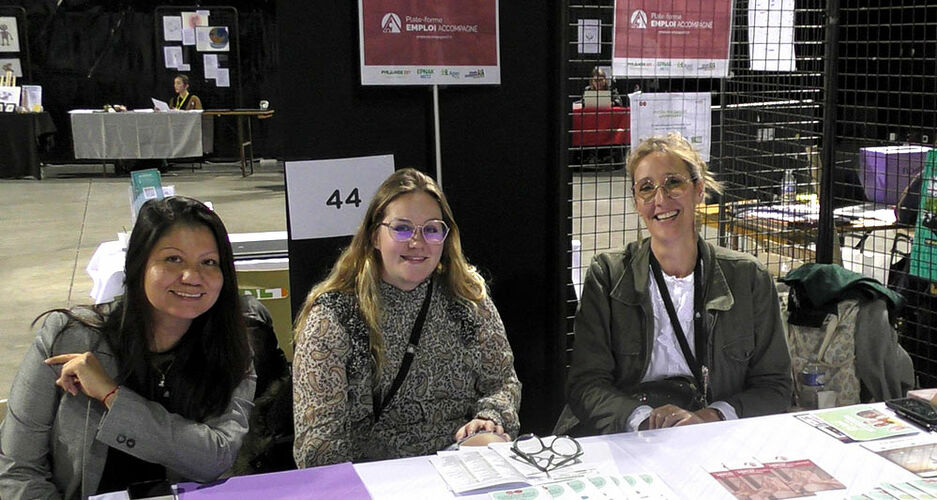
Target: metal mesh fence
[[872, 91]]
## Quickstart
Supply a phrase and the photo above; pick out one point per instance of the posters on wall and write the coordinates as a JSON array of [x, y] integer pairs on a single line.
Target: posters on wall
[[449, 42], [9, 35], [661, 113], [193, 28], [671, 39], [771, 35]]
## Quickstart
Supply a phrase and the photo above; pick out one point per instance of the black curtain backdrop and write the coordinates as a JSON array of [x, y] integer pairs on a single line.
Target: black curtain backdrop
[[88, 53], [500, 156]]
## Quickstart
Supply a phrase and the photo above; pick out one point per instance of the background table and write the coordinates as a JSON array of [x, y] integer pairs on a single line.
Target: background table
[[601, 127], [245, 136], [20, 134], [140, 135]]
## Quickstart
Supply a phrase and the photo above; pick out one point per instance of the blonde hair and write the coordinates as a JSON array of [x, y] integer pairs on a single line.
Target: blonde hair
[[358, 268], [675, 146]]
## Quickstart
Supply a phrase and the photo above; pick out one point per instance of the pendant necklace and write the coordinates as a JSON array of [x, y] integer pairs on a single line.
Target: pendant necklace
[[162, 377]]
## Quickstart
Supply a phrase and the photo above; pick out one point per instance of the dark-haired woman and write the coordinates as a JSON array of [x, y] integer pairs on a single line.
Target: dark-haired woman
[[157, 386], [183, 100]]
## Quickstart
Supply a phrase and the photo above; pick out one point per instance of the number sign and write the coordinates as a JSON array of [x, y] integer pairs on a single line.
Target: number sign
[[328, 198]]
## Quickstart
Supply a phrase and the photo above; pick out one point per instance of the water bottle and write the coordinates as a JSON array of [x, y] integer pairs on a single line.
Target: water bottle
[[812, 380], [789, 187]]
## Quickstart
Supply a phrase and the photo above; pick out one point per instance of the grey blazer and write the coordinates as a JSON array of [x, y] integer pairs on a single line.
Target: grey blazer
[[54, 444]]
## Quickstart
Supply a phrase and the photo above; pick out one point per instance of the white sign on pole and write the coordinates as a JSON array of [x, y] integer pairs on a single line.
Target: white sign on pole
[[328, 198], [657, 114]]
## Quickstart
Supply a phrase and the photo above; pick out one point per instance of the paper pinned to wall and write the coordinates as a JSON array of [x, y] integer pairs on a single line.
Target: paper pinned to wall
[[9, 35], [771, 35], [590, 36], [212, 38], [222, 77], [194, 19], [173, 57], [13, 65], [657, 114], [172, 28], [210, 62]]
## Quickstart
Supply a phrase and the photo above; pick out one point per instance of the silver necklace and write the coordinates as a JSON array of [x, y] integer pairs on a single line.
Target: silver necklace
[[162, 377]]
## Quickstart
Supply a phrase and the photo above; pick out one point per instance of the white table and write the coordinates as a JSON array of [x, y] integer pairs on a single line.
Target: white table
[[140, 134], [679, 456]]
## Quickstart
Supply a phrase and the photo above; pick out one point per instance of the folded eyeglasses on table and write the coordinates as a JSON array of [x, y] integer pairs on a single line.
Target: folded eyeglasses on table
[[557, 452]]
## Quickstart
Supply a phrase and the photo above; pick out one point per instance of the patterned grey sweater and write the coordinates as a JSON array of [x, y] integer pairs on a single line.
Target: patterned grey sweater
[[464, 368]]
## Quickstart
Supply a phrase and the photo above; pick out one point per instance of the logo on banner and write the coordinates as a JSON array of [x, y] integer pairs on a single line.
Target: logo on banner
[[639, 19], [478, 73], [390, 23]]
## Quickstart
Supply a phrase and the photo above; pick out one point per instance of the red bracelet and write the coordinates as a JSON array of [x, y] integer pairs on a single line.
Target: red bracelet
[[113, 391]]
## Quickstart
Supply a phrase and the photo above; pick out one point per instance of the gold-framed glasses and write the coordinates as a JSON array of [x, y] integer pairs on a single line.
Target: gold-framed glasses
[[561, 450], [434, 231], [673, 186]]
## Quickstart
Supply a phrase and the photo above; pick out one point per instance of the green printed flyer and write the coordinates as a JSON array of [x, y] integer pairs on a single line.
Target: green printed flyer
[[924, 247], [864, 423]]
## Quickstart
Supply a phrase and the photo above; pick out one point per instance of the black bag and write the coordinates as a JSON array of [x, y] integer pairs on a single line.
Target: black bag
[[679, 391]]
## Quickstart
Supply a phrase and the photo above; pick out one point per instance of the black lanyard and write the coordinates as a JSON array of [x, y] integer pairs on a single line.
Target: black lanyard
[[412, 345], [700, 371]]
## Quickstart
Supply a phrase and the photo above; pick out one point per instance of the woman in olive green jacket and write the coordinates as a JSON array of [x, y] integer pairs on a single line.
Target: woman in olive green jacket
[[725, 304]]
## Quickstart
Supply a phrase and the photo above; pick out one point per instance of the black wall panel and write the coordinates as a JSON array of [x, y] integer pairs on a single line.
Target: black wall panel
[[499, 153]]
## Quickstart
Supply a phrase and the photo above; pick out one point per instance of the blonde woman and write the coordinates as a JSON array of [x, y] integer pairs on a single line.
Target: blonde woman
[[402, 282], [673, 330]]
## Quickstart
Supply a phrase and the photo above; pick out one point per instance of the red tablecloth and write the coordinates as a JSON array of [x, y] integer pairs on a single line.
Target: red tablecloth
[[595, 127]]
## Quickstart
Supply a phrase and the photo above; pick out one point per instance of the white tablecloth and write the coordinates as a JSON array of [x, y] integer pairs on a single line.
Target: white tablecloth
[[140, 135]]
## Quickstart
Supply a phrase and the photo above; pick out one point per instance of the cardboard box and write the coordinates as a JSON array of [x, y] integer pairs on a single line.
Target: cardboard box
[[886, 171]]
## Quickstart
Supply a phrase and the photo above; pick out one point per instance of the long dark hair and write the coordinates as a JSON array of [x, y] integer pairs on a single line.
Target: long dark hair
[[214, 355]]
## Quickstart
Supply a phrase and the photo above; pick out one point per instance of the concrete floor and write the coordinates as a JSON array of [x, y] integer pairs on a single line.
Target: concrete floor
[[51, 228]]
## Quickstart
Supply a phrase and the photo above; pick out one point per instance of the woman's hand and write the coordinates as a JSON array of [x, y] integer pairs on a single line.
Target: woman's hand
[[479, 425], [83, 372], [672, 415]]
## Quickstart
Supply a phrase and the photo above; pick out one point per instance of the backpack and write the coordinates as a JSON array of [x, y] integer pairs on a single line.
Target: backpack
[[831, 345]]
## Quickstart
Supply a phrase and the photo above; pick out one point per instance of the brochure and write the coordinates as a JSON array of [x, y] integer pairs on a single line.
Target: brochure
[[475, 468], [778, 477], [144, 185], [917, 454], [859, 423], [922, 489], [626, 487]]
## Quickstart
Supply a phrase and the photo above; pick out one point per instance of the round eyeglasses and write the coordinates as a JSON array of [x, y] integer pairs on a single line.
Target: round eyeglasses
[[434, 231], [673, 186], [562, 449]]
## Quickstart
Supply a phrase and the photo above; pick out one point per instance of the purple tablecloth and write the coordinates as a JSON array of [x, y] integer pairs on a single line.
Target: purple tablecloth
[[330, 481]]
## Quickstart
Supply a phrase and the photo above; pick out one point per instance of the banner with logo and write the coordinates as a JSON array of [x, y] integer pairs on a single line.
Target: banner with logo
[[671, 38], [429, 42]]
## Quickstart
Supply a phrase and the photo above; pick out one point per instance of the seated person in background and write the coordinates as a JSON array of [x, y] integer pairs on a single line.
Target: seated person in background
[[183, 100], [403, 267], [157, 386], [599, 81], [673, 330]]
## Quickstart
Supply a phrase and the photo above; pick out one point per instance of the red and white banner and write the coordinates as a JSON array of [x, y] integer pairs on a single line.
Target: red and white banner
[[671, 38], [429, 42]]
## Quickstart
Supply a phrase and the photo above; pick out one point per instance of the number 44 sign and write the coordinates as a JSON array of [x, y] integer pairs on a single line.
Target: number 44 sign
[[328, 198]]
